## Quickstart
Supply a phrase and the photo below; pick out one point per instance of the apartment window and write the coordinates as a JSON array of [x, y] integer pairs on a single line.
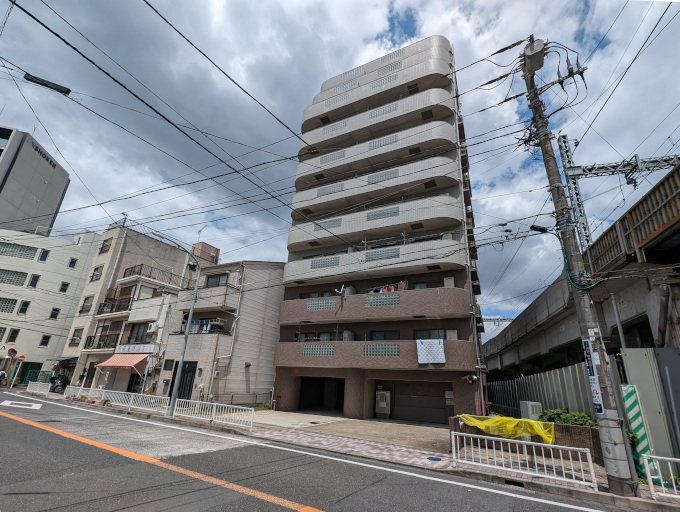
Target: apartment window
[[384, 335], [97, 273], [7, 305], [432, 334], [33, 282], [23, 307], [77, 336], [45, 340], [54, 314], [44, 253], [12, 277], [106, 245], [13, 335], [315, 295], [168, 364], [2, 332], [64, 287], [428, 284], [17, 251], [87, 304], [72, 262], [218, 280]]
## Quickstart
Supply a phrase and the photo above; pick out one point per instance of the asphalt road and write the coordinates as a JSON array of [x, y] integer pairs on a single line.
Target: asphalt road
[[67, 458]]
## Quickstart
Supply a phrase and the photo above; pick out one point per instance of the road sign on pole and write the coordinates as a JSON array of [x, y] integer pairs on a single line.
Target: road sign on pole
[[21, 358]]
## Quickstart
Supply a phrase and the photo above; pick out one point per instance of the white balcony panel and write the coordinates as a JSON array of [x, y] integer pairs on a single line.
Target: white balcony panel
[[437, 136], [374, 65], [412, 258], [433, 71], [438, 212], [407, 179], [392, 117]]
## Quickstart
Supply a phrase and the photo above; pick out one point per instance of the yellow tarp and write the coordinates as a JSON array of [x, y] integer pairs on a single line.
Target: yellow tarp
[[511, 428]]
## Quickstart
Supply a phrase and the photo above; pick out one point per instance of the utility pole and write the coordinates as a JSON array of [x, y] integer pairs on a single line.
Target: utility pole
[[608, 420]]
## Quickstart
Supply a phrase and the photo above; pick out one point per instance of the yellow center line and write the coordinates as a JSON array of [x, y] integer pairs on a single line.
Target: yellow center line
[[170, 467]]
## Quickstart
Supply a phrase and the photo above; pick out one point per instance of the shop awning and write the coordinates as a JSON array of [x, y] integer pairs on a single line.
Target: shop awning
[[123, 361]]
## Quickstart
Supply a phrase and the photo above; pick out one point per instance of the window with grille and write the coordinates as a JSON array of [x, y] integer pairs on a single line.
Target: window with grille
[[383, 214], [383, 176], [17, 251], [332, 261], [87, 304], [33, 282], [7, 305], [54, 314], [106, 245], [381, 299], [72, 262], [23, 307], [318, 350], [382, 254], [2, 332], [334, 127], [381, 111], [97, 273], [381, 350], [393, 55], [384, 81], [336, 99], [383, 141], [322, 305], [330, 189], [327, 224], [13, 335], [64, 287], [45, 340], [332, 157], [12, 277], [395, 66], [77, 336]]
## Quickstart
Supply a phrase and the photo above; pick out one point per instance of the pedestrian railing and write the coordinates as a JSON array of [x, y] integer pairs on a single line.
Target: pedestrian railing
[[207, 411], [39, 387], [662, 476], [548, 461], [216, 413]]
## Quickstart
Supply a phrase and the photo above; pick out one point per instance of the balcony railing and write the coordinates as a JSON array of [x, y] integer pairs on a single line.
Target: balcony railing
[[136, 339], [101, 341], [157, 275], [115, 306], [204, 327]]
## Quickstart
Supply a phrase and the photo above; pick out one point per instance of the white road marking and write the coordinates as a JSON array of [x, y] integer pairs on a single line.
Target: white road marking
[[20, 405], [327, 457]]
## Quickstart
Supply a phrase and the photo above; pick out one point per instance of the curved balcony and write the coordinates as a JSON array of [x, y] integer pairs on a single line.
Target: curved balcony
[[433, 303], [413, 258], [374, 65], [438, 212], [433, 105], [396, 149], [444, 171], [431, 69]]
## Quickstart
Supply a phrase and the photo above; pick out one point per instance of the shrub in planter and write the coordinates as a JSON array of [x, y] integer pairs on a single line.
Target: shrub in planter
[[562, 416]]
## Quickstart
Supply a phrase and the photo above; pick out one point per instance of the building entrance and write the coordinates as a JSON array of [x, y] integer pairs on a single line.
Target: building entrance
[[322, 393]]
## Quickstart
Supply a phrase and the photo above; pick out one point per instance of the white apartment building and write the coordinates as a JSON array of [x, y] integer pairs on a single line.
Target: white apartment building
[[41, 281]]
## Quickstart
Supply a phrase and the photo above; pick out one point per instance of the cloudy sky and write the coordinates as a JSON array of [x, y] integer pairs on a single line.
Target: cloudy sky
[[281, 52]]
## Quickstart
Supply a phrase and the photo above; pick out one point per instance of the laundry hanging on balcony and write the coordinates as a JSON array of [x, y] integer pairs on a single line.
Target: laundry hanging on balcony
[[430, 351]]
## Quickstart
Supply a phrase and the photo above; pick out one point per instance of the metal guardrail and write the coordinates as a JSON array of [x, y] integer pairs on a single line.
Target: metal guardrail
[[208, 411], [39, 387], [216, 413], [536, 460], [662, 474]]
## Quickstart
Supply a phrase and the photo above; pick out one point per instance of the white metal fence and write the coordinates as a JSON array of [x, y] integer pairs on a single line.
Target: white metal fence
[[216, 413], [549, 461], [39, 387], [207, 411], [662, 476]]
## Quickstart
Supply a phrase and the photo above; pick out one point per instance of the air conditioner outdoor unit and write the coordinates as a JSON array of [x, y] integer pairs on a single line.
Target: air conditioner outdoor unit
[[153, 327], [530, 410], [347, 336], [349, 290]]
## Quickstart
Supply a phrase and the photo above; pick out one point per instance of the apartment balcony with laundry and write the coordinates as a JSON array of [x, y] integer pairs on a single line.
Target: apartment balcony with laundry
[[406, 181], [152, 276], [397, 76], [403, 255], [429, 213], [391, 302], [206, 330], [424, 141], [430, 105]]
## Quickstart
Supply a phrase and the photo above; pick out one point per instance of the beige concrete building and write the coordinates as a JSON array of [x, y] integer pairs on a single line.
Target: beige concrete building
[[232, 336], [379, 314]]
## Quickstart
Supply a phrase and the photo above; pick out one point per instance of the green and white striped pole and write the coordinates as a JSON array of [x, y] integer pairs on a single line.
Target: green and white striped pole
[[636, 420]]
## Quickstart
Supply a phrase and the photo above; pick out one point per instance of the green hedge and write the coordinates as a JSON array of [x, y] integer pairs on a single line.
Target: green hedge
[[564, 417]]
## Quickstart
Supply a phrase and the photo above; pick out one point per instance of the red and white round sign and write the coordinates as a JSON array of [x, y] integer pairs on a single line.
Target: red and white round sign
[[21, 358]]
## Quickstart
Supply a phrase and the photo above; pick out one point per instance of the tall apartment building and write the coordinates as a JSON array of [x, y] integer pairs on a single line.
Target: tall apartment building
[[41, 281], [32, 183], [129, 268], [379, 314]]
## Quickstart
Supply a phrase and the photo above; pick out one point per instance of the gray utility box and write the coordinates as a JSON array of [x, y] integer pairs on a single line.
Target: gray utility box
[[383, 404], [530, 410]]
